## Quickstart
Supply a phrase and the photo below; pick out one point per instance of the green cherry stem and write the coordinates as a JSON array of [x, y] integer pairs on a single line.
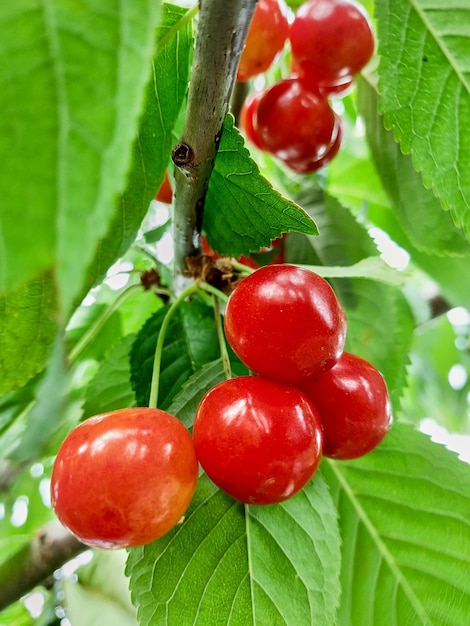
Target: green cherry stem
[[153, 400], [95, 328], [221, 337], [243, 269]]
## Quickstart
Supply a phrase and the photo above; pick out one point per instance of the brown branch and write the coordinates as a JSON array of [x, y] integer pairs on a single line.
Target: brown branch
[[222, 30], [51, 548]]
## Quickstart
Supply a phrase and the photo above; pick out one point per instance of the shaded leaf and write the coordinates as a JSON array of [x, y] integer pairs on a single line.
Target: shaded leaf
[[191, 341], [47, 412], [110, 389], [430, 229], [243, 212], [185, 403], [228, 563], [27, 331], [424, 82], [405, 533]]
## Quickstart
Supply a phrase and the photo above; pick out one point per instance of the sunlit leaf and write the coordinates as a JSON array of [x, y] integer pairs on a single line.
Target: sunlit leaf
[[71, 87], [243, 212], [424, 71], [420, 212], [27, 330], [228, 563], [151, 152], [405, 533]]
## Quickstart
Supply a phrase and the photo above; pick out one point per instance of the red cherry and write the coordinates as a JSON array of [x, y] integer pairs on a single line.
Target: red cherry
[[258, 440], [247, 118], [285, 322], [312, 165], [124, 478], [354, 407], [339, 90], [331, 40], [266, 37], [165, 192], [295, 123]]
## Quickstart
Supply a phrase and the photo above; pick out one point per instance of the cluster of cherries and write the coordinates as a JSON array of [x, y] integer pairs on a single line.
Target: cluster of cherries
[[260, 438], [125, 478], [331, 41]]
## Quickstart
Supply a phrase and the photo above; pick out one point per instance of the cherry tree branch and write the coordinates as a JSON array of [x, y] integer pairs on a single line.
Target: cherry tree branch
[[220, 39], [51, 547]]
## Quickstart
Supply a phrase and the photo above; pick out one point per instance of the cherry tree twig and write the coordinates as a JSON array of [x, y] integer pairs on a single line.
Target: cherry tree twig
[[222, 30], [51, 547]]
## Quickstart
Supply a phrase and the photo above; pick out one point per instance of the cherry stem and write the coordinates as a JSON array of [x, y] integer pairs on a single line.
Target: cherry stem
[[221, 337], [222, 30], [95, 328], [154, 388], [241, 267]]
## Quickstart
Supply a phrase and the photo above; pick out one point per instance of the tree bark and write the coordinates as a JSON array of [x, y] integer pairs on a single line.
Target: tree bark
[[51, 548], [222, 31]]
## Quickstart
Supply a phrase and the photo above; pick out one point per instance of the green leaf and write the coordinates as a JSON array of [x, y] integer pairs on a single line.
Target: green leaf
[[424, 82], [191, 341], [185, 403], [380, 324], [380, 329], [405, 533], [71, 87], [164, 97], [27, 331], [101, 594], [373, 267], [46, 414], [110, 388], [228, 563], [428, 227], [243, 212]]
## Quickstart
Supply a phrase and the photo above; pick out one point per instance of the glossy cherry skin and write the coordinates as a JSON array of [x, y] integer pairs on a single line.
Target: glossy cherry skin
[[295, 123], [165, 191], [285, 323], [339, 90], [312, 165], [331, 40], [258, 440], [265, 39], [354, 407], [124, 478], [247, 119]]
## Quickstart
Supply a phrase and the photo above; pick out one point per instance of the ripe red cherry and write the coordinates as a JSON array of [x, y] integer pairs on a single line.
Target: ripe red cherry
[[258, 440], [165, 192], [266, 37], [312, 165], [124, 478], [247, 119], [295, 123], [339, 89], [354, 407], [331, 40], [285, 323]]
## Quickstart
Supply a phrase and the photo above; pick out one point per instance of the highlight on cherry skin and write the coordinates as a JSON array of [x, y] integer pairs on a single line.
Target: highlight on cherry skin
[[124, 478], [285, 323], [354, 406], [258, 440]]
